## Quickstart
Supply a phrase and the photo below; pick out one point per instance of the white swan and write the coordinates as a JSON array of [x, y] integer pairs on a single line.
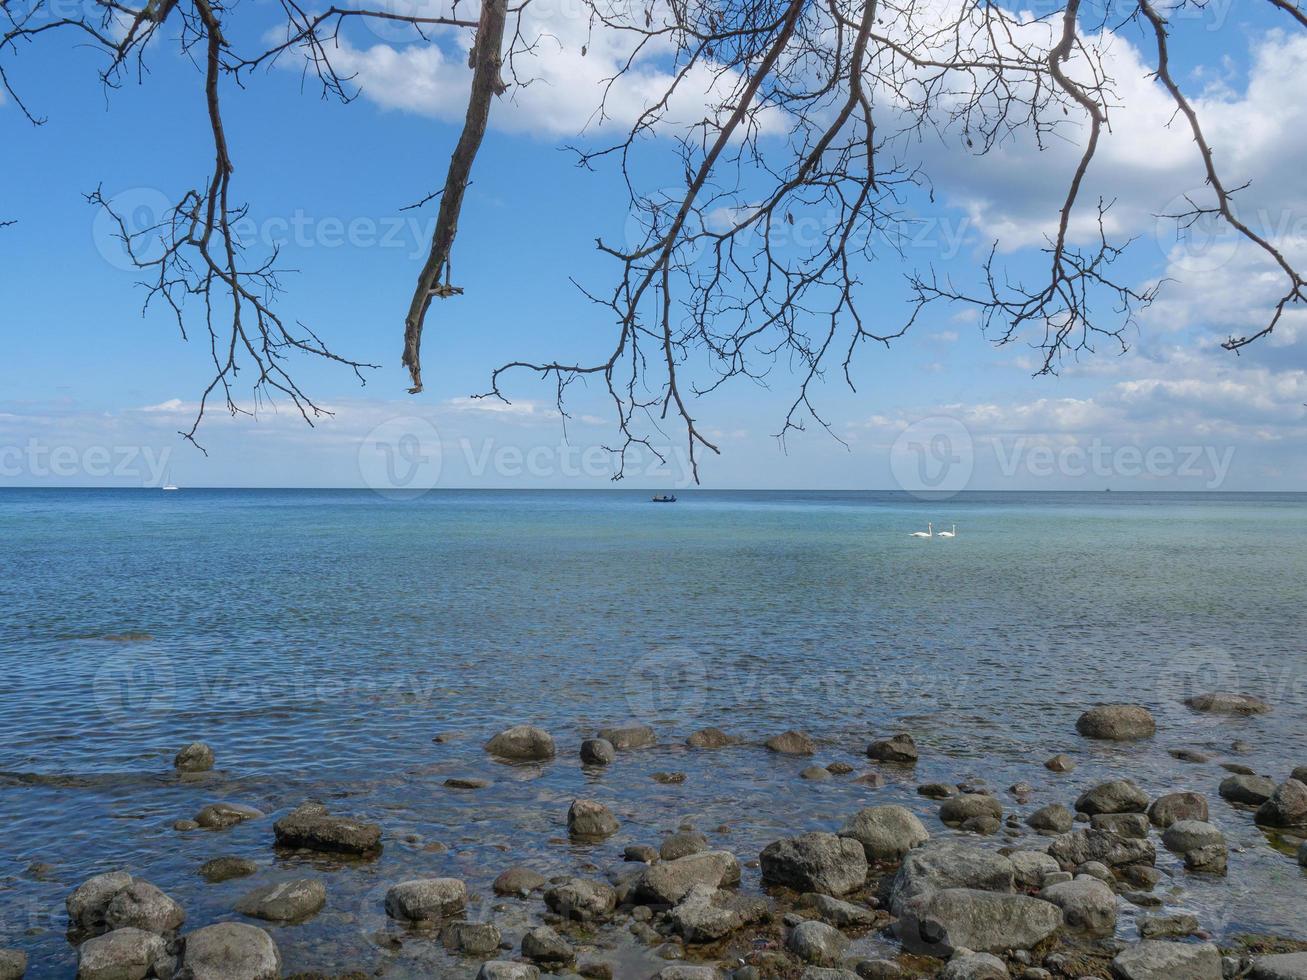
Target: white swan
[[928, 533], [949, 534]]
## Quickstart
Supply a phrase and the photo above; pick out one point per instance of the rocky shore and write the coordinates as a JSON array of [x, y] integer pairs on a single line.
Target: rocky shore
[[1006, 885]]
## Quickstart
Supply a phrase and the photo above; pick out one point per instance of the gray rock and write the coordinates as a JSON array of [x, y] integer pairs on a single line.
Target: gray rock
[[507, 970], [945, 865], [1031, 868], [124, 954], [1247, 789], [1117, 722], [1060, 763], [1155, 959], [220, 816], [644, 853], [1201, 844], [626, 737], [706, 914], [582, 898], [667, 882], [1081, 846], [966, 965], [1287, 806], [285, 901], [959, 809], [1299, 773], [841, 914], [467, 782], [591, 820], [13, 964], [709, 738], [425, 899], [143, 906], [311, 826], [817, 943], [1166, 810], [1159, 926], [471, 938], [522, 743], [543, 945], [1096, 869], [1191, 755], [230, 951], [1302, 854], [89, 902], [1280, 966], [1117, 796], [682, 844], [196, 757], [821, 973], [815, 773], [964, 918], [597, 752], [879, 970], [886, 833], [815, 862], [1225, 703], [1051, 819], [1122, 824], [900, 749], [791, 743], [226, 868], [1088, 906], [518, 881], [687, 971]]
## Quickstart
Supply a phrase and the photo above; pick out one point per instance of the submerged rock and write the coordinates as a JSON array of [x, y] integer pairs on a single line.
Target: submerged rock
[[624, 737], [285, 901], [1088, 906], [1225, 703], [591, 820], [965, 918], [425, 899], [900, 749], [230, 951], [1155, 959], [226, 868], [681, 844], [1286, 807], [886, 833], [815, 862], [1117, 796], [1117, 723], [709, 738], [518, 881], [1060, 763], [196, 757], [220, 816], [124, 954], [791, 743], [311, 826], [597, 752], [522, 743]]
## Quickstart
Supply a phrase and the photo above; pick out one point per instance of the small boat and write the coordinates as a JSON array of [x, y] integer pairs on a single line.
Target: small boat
[[664, 498]]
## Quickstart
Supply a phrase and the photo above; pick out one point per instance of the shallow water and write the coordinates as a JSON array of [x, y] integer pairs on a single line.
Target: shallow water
[[320, 640]]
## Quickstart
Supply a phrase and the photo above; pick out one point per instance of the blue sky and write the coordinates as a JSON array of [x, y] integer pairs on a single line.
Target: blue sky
[[84, 376]]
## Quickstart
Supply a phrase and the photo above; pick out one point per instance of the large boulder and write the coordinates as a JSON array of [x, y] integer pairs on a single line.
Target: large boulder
[[582, 899], [1117, 723], [1088, 906], [899, 749], [667, 882], [1247, 789], [817, 943], [591, 820], [1201, 844], [89, 902], [1157, 959], [791, 743], [311, 826], [285, 901], [196, 757], [1166, 810], [815, 862], [230, 951], [625, 737], [1280, 966], [1225, 703], [1117, 796], [522, 743], [1286, 807], [886, 833], [959, 809], [966, 918], [706, 915], [143, 906], [425, 899], [124, 954], [944, 865], [220, 816], [1082, 846]]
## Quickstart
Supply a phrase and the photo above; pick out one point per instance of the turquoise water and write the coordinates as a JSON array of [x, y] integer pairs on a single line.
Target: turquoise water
[[319, 640]]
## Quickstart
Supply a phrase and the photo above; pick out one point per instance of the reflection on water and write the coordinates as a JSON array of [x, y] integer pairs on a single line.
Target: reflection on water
[[321, 640]]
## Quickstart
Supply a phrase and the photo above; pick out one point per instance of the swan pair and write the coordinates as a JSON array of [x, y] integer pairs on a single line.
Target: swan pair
[[930, 532]]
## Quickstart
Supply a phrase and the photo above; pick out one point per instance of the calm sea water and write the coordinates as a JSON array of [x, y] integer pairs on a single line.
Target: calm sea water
[[320, 640]]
